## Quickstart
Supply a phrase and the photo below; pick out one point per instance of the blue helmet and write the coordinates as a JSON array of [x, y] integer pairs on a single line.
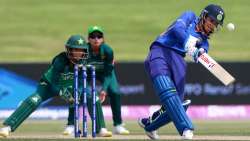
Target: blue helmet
[[215, 12]]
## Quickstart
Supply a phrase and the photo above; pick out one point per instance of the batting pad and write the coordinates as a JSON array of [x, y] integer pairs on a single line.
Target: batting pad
[[163, 118], [171, 101]]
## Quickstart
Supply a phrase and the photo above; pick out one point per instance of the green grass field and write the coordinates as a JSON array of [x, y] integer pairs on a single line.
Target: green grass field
[[205, 130], [36, 30]]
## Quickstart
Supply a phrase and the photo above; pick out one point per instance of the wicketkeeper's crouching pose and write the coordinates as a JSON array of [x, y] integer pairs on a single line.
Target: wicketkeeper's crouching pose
[[102, 57], [166, 67], [57, 81]]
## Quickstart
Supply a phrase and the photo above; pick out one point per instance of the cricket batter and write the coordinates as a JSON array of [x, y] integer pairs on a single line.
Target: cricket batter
[[101, 56], [166, 66], [56, 81]]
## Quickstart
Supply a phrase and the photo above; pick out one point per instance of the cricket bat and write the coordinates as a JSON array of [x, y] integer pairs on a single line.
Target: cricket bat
[[216, 69]]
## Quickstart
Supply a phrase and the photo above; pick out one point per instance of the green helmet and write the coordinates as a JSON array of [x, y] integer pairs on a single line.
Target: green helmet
[[77, 49], [76, 41]]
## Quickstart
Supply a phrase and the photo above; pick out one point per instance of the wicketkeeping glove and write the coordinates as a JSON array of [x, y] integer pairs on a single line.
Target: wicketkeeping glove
[[66, 94]]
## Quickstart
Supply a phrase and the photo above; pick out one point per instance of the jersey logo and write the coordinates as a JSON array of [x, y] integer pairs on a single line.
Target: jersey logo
[[67, 76], [43, 83], [35, 99]]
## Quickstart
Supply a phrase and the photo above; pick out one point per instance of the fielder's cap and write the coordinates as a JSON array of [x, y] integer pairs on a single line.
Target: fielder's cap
[[92, 29]]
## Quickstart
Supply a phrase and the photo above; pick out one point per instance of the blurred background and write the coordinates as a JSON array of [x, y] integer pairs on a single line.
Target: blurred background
[[32, 32], [35, 31]]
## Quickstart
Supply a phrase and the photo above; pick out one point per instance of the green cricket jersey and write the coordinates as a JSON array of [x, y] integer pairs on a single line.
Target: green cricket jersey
[[103, 61], [60, 73]]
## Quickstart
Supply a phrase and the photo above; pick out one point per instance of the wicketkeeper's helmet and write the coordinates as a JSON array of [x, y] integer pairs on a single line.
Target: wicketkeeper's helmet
[[76, 41], [77, 48]]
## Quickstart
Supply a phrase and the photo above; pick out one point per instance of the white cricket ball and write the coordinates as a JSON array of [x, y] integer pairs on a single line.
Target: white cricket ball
[[230, 26]]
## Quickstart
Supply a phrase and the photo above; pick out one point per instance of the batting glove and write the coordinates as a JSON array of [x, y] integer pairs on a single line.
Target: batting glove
[[191, 49]]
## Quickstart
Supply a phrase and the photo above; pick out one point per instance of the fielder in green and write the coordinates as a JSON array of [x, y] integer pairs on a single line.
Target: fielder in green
[[102, 57], [57, 81]]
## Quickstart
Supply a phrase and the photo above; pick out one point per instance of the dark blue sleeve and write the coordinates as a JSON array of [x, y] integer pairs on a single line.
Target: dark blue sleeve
[[179, 27], [205, 45]]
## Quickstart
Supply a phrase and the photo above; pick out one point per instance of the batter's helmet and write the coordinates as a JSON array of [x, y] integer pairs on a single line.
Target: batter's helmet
[[215, 12]]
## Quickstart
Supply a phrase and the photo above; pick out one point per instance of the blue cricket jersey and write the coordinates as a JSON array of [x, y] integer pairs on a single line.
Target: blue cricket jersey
[[178, 32]]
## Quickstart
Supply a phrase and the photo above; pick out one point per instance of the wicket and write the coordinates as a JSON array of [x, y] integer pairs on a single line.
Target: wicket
[[84, 100]]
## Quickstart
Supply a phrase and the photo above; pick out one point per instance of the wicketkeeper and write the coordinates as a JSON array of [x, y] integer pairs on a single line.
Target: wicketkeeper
[[102, 57], [56, 81]]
